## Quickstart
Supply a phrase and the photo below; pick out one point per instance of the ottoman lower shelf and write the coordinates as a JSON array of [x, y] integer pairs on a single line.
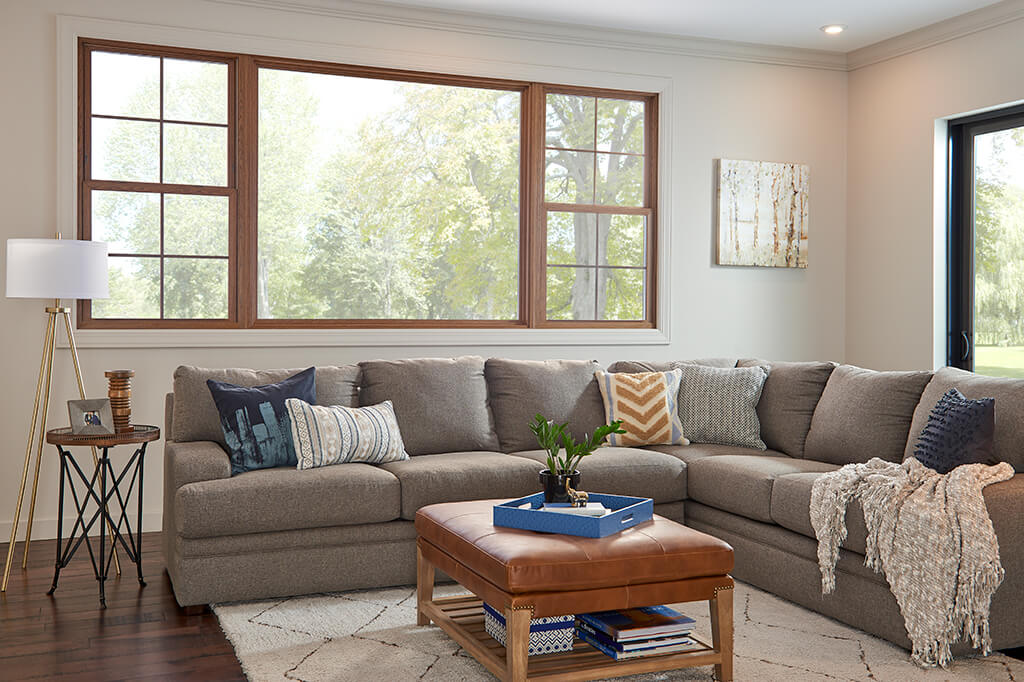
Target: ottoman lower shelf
[[462, 618]]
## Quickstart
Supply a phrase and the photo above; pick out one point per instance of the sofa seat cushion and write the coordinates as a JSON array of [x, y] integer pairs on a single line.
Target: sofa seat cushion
[[441, 403], [561, 390], [742, 484], [694, 451], [286, 498], [460, 476], [790, 394], [864, 414], [791, 504], [626, 471], [1009, 397]]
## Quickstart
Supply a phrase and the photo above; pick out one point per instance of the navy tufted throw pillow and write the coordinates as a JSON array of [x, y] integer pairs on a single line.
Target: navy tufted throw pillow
[[959, 431], [257, 428]]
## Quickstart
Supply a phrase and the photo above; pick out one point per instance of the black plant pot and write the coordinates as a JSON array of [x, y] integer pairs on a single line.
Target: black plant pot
[[554, 485]]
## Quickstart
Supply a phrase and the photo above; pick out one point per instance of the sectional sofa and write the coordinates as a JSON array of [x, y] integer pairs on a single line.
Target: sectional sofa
[[278, 532]]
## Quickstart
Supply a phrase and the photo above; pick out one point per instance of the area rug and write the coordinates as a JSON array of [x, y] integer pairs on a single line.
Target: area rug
[[371, 635]]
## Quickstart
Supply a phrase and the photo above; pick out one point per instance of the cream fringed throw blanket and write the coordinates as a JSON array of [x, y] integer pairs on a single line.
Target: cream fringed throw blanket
[[930, 535]]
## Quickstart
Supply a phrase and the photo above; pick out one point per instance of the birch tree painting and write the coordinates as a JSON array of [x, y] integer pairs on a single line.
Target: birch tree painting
[[762, 213]]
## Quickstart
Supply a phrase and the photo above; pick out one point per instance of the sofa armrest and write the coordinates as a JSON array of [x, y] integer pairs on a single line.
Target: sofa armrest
[[189, 462]]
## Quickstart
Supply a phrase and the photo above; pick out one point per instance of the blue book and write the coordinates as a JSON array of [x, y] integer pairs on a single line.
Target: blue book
[[639, 623], [635, 644], [624, 655]]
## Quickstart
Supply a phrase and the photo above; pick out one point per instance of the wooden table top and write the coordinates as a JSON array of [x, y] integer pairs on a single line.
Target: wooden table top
[[140, 433]]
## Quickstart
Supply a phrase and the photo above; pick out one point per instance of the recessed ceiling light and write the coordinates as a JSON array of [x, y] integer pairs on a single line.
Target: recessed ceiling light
[[833, 29]]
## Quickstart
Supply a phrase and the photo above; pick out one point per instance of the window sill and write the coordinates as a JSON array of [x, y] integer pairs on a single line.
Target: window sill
[[328, 338]]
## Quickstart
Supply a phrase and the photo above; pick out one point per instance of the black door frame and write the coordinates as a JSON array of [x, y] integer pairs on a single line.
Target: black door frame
[[960, 228]]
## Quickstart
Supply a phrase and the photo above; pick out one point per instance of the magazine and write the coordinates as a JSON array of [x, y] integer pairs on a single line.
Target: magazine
[[638, 623]]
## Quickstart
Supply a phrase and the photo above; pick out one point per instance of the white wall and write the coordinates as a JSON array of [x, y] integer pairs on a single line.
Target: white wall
[[895, 282], [719, 108]]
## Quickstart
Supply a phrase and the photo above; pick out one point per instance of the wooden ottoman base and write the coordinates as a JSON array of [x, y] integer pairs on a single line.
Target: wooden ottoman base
[[461, 617]]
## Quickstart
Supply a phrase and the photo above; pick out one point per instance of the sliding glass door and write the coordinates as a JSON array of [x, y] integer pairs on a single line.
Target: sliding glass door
[[986, 244]]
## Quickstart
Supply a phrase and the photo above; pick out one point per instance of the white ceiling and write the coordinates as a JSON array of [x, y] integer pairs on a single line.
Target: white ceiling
[[791, 23]]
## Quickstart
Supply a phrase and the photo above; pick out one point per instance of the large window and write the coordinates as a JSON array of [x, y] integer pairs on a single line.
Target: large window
[[243, 191], [986, 266]]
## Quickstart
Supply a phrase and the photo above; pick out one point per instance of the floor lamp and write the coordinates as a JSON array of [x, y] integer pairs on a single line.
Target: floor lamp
[[50, 269]]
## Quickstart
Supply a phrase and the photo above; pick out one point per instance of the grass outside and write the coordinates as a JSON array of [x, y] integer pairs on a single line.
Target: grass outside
[[999, 361]]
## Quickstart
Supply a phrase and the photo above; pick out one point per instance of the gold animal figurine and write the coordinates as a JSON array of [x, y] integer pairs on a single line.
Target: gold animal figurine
[[577, 498]]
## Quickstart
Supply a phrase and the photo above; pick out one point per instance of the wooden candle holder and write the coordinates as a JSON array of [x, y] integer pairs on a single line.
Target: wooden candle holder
[[120, 392]]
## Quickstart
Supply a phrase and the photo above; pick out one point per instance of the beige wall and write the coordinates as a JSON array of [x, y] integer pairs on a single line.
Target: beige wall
[[895, 308], [718, 108]]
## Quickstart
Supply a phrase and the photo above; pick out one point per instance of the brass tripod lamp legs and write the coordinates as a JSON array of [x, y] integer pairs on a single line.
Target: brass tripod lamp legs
[[39, 416]]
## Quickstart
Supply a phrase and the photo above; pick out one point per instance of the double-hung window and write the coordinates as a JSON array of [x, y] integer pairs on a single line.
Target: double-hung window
[[245, 191]]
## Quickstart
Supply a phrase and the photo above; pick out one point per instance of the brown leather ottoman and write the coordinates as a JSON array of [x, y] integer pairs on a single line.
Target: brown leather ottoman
[[531, 575]]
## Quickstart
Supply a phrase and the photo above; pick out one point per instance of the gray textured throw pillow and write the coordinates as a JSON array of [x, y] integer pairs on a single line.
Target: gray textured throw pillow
[[719, 405]]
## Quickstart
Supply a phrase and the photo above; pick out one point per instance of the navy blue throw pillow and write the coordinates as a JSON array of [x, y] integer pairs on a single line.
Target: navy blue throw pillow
[[257, 429], [959, 431]]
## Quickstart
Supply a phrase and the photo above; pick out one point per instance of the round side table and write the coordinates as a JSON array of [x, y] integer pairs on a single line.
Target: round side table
[[106, 488]]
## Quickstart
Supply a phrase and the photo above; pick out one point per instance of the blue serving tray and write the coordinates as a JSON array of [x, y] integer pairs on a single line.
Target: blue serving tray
[[526, 514]]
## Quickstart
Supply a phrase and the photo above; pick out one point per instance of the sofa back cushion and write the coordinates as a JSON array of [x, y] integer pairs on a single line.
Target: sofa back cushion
[[787, 403], [561, 390], [195, 414], [441, 403], [864, 414], [637, 366], [1009, 407]]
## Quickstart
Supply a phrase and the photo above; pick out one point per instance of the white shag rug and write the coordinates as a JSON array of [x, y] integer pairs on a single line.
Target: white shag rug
[[372, 635]]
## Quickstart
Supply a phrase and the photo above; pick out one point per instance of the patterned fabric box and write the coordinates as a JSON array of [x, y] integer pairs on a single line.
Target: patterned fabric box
[[547, 635]]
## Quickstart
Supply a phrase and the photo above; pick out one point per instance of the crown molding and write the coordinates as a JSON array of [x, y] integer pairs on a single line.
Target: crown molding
[[553, 32], [938, 33]]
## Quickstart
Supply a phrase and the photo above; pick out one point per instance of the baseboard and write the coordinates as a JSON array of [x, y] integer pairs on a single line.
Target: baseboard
[[46, 528]]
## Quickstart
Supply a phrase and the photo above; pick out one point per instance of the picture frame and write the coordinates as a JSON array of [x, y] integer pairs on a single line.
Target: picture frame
[[763, 213], [91, 417]]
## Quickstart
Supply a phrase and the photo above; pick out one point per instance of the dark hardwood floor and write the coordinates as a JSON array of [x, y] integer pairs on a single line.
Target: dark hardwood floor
[[142, 634]]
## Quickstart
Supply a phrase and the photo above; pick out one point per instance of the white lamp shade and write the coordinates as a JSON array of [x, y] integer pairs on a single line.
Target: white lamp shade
[[56, 268]]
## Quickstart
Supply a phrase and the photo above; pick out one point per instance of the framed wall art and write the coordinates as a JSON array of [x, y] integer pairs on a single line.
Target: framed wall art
[[762, 213]]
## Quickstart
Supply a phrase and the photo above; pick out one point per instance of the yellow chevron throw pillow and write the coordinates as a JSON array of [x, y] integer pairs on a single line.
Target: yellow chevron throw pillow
[[646, 404]]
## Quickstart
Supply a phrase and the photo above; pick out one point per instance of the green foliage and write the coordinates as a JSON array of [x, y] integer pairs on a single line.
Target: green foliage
[[555, 439], [999, 246], [549, 437], [415, 215]]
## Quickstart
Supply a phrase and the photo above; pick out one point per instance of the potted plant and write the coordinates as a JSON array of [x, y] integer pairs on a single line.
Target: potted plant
[[564, 454]]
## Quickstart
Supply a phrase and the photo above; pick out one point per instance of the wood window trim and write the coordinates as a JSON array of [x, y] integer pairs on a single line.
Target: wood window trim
[[86, 185], [242, 190]]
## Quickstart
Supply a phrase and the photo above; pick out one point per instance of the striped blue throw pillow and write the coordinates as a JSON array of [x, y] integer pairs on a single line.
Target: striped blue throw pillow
[[337, 434]]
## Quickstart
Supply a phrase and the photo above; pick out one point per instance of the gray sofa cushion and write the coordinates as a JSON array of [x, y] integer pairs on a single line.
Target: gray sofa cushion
[[460, 476], [285, 498], [742, 484], [561, 390], [791, 504], [441, 403], [694, 451], [634, 366], [787, 403], [1009, 394], [627, 471], [195, 413], [864, 414]]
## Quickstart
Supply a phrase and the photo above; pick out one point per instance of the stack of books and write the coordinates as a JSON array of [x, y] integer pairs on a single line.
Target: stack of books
[[634, 633]]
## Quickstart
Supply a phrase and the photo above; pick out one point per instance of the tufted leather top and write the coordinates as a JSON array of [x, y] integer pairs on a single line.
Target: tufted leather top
[[518, 561]]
